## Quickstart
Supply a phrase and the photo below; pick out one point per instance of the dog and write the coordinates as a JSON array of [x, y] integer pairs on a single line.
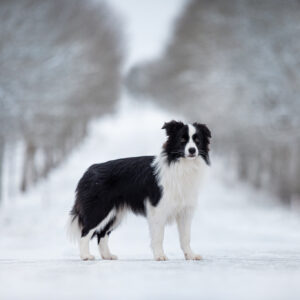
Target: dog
[[162, 188]]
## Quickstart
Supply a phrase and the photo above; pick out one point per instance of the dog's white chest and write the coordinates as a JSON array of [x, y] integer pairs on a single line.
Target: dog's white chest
[[180, 182]]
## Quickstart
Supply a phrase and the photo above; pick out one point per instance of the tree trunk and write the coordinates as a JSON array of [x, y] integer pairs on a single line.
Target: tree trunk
[[28, 167], [1, 167]]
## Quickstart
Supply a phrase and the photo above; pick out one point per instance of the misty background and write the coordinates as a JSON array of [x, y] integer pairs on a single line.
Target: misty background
[[87, 81], [231, 64], [235, 65], [60, 69]]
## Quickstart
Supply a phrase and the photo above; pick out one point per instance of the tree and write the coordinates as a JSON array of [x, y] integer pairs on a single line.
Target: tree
[[60, 63], [235, 65]]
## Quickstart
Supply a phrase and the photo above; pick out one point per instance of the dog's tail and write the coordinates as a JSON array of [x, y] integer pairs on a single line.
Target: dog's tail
[[74, 226]]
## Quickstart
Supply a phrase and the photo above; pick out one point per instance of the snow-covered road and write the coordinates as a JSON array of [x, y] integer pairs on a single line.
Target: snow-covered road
[[251, 247]]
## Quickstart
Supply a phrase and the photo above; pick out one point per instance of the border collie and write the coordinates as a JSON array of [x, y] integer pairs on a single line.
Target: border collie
[[163, 188]]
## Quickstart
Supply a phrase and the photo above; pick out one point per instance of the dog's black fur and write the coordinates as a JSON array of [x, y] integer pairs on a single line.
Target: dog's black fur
[[115, 184]]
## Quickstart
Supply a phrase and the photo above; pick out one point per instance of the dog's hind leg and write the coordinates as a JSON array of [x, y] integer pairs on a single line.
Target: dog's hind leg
[[88, 232], [84, 246], [104, 249], [103, 235]]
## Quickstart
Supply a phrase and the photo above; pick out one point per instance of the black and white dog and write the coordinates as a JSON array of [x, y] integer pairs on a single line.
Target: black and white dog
[[163, 188]]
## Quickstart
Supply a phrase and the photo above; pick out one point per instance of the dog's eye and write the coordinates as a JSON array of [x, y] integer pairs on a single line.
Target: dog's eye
[[197, 141], [183, 140]]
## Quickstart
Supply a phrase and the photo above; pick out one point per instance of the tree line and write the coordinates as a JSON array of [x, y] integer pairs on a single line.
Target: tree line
[[60, 63], [235, 65]]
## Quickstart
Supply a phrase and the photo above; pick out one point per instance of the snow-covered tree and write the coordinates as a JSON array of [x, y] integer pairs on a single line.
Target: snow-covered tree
[[60, 64], [235, 65]]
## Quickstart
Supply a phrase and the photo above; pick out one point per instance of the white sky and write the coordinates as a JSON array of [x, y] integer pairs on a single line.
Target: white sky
[[148, 24]]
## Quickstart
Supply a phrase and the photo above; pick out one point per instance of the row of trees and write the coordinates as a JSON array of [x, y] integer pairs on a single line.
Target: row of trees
[[60, 63], [235, 65]]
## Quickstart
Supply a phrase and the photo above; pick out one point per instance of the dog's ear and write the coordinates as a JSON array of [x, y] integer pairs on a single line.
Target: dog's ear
[[172, 127], [203, 129], [205, 140]]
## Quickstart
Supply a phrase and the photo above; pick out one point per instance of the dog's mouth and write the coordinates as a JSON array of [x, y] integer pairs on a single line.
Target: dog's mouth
[[191, 156]]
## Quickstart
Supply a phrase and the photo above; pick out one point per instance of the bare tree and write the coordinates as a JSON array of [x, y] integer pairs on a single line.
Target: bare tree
[[235, 65], [60, 63]]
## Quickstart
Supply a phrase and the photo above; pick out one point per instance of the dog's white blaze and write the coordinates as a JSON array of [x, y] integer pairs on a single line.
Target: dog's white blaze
[[191, 143]]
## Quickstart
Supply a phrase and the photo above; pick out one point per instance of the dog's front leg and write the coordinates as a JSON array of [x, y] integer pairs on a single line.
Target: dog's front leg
[[184, 220], [157, 229]]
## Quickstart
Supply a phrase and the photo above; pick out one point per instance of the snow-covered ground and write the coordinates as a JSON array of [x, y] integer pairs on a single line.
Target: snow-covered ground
[[251, 247]]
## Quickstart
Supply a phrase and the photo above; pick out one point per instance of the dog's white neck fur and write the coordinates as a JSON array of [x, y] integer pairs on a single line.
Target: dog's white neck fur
[[180, 182]]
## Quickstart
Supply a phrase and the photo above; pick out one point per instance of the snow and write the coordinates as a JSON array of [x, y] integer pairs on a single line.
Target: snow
[[251, 247]]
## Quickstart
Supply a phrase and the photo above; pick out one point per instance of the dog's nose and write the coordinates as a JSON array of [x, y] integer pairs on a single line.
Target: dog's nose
[[192, 150]]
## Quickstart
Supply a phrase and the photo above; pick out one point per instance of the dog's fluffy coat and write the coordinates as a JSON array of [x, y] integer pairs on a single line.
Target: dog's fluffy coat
[[163, 188]]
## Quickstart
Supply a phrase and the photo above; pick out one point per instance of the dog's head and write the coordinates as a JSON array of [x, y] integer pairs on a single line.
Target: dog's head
[[187, 141]]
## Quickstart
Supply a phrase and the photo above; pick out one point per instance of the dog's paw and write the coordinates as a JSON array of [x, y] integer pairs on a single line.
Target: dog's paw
[[87, 257], [192, 256], [161, 257], [110, 257]]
